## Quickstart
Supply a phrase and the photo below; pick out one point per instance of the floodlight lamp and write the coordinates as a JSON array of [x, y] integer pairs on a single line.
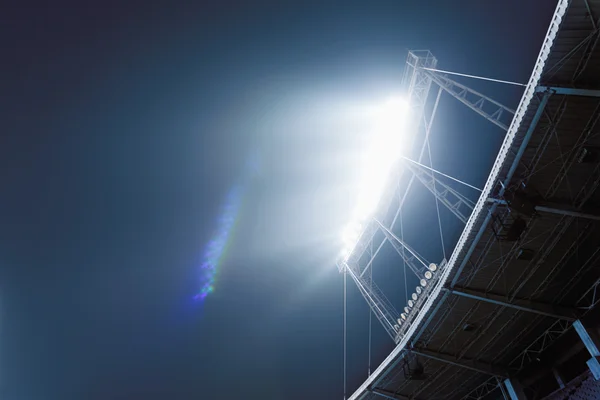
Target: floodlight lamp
[[396, 327], [403, 316], [392, 115], [414, 296], [423, 282], [345, 253], [432, 267], [350, 237], [406, 310], [428, 275], [411, 303], [419, 290], [383, 151], [399, 320]]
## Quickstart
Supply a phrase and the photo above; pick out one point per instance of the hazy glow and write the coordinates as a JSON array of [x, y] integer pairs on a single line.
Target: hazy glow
[[383, 151]]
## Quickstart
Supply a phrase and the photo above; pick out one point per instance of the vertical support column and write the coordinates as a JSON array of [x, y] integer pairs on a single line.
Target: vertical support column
[[505, 395], [514, 389], [558, 377], [592, 343]]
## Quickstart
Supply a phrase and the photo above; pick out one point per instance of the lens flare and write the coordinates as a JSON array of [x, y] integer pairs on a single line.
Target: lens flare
[[215, 248]]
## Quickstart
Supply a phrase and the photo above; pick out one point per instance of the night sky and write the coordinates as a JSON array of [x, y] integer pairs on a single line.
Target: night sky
[[124, 126]]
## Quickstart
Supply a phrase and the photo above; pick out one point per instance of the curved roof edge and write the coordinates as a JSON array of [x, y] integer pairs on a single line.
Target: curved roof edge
[[524, 104]]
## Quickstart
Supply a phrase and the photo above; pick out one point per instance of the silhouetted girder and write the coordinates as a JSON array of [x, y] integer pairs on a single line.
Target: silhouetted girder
[[473, 365], [388, 395], [376, 299], [570, 91], [557, 208], [567, 211], [548, 310], [476, 102]]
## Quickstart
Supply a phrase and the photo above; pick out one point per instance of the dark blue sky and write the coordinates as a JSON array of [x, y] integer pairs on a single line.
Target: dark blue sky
[[124, 125]]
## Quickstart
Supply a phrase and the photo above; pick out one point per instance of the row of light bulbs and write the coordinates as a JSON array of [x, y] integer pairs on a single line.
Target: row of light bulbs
[[431, 268]]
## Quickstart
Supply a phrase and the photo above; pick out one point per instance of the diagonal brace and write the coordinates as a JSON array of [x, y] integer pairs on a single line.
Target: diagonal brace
[[548, 310], [388, 395], [473, 365]]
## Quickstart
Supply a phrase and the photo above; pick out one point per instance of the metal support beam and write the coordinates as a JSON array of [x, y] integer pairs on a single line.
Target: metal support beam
[[592, 343], [376, 299], [507, 179], [473, 365], [458, 204], [569, 91], [548, 310], [502, 387], [411, 259], [485, 389], [566, 211], [553, 208], [493, 111], [388, 395], [559, 378], [514, 389]]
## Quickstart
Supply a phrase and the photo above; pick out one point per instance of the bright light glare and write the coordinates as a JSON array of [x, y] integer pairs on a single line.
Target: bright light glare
[[383, 150]]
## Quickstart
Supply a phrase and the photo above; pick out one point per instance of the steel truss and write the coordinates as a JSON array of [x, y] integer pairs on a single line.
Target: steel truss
[[551, 332], [493, 111], [412, 259], [456, 203], [380, 306], [419, 82], [590, 298], [549, 336], [497, 114]]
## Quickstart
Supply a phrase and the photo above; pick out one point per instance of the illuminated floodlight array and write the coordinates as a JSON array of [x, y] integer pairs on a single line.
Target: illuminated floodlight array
[[411, 306], [384, 150]]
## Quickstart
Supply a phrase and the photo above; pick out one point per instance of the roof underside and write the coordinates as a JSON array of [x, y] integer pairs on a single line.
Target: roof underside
[[566, 251]]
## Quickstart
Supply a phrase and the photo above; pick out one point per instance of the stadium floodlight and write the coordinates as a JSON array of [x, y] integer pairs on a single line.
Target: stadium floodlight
[[428, 275], [423, 282], [403, 316], [399, 320], [406, 310], [411, 303], [396, 327], [432, 267], [419, 290], [414, 296], [383, 151]]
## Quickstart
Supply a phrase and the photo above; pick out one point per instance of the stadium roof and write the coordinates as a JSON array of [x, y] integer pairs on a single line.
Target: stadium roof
[[506, 299]]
